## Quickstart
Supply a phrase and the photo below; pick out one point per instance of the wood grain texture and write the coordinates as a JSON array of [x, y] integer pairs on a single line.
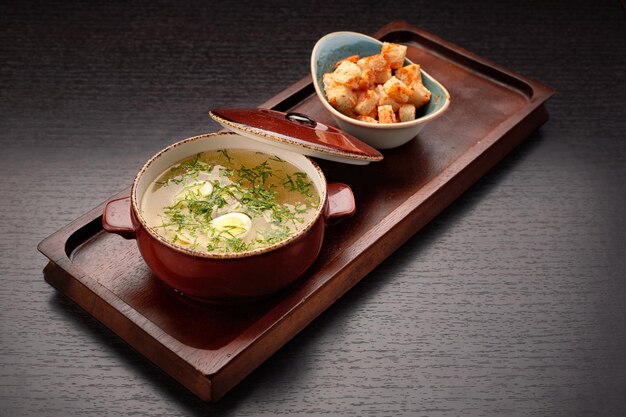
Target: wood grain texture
[[511, 302]]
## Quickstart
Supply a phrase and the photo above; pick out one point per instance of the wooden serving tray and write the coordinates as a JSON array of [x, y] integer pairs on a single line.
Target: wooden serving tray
[[209, 349]]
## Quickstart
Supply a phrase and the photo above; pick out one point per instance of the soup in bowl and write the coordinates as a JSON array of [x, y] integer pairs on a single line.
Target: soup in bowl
[[221, 218], [230, 201]]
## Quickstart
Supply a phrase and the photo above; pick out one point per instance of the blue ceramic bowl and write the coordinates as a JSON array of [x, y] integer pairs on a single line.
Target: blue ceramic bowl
[[338, 45]]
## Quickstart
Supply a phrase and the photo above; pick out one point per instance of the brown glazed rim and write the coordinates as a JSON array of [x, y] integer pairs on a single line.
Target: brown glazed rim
[[216, 255]]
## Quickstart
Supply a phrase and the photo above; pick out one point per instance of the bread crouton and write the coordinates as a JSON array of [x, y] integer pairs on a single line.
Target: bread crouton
[[383, 76], [384, 99], [410, 74], [367, 119], [378, 66], [397, 90], [375, 62], [377, 88], [351, 58], [406, 112], [368, 79], [342, 98], [386, 114], [347, 73], [328, 80], [394, 54], [367, 102], [420, 95]]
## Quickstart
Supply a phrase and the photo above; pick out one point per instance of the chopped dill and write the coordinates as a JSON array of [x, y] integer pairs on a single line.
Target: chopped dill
[[276, 199], [236, 245], [181, 173], [224, 153]]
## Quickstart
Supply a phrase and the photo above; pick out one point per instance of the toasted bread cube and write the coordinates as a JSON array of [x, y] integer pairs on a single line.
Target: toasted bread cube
[[351, 58], [375, 62], [366, 104], [394, 54], [368, 79], [409, 74], [406, 112], [384, 99], [347, 73], [397, 90], [420, 95], [377, 65], [328, 80], [342, 98], [383, 76], [386, 114], [367, 119]]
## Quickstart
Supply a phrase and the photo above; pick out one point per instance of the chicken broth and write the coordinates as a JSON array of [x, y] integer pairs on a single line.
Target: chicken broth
[[230, 201]]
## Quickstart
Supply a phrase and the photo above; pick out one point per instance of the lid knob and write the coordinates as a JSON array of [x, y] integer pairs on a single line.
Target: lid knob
[[293, 116]]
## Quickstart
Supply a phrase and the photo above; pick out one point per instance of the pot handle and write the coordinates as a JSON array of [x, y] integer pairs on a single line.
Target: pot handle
[[116, 217], [340, 202]]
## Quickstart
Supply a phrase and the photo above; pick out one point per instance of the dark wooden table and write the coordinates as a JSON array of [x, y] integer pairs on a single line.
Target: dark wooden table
[[511, 302]]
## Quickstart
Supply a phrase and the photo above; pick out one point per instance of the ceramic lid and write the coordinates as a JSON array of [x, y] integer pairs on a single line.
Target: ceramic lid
[[298, 133]]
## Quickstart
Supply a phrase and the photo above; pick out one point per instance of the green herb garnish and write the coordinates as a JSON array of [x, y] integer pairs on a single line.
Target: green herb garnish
[[254, 190]]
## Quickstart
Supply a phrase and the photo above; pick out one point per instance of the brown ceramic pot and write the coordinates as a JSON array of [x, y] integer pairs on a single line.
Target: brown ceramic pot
[[226, 277]]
